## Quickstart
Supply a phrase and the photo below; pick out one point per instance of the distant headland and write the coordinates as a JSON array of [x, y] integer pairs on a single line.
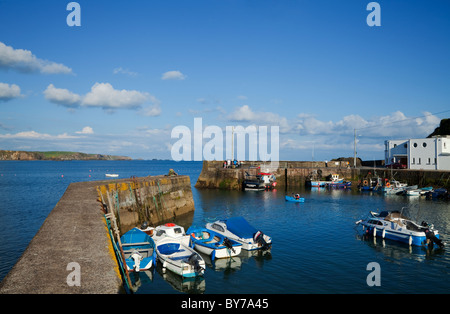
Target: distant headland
[[55, 155]]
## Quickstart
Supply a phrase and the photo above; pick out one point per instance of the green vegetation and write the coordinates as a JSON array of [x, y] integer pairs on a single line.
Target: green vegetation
[[55, 155]]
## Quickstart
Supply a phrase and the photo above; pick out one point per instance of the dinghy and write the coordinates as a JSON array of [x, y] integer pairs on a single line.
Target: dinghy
[[238, 229], [213, 244], [178, 258], [394, 226], [293, 199], [139, 250]]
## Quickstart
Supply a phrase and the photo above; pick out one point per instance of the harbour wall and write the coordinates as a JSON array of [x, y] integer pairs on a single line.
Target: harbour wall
[[294, 174], [155, 199], [74, 243]]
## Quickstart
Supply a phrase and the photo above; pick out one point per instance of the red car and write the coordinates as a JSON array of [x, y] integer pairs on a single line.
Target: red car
[[397, 165]]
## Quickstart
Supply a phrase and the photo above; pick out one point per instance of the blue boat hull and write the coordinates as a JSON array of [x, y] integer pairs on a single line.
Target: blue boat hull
[[137, 240], [292, 199], [212, 243], [400, 237]]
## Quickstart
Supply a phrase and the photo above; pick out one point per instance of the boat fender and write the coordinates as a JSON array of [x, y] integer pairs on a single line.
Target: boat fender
[[213, 255], [374, 231], [410, 240], [383, 234]]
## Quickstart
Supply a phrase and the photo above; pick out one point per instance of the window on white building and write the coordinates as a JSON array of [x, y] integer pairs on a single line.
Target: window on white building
[[418, 162], [414, 161], [429, 161]]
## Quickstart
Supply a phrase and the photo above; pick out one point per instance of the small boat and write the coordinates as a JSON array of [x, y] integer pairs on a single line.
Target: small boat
[[139, 250], [394, 226], [178, 258], [294, 199], [270, 181], [173, 231], [413, 192], [253, 183], [238, 229], [213, 244], [112, 175]]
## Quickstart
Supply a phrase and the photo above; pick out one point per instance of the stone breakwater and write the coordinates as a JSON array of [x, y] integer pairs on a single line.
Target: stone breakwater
[[295, 174]]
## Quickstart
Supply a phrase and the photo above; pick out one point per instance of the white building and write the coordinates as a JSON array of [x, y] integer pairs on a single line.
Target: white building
[[424, 153]]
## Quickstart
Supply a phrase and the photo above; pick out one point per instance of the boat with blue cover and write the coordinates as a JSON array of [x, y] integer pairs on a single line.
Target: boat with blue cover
[[294, 199], [178, 258], [139, 250], [238, 229], [212, 243], [394, 226]]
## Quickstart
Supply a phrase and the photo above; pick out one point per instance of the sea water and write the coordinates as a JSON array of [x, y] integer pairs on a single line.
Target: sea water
[[317, 248]]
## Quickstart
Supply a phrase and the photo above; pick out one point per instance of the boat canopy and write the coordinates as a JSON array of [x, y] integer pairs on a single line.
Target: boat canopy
[[240, 227]]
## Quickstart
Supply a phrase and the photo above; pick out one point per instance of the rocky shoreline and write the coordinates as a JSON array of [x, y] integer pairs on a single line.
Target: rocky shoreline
[[25, 155]]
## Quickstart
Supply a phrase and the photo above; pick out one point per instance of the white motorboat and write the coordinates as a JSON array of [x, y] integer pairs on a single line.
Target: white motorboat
[[394, 226], [173, 231], [178, 258], [213, 244], [238, 229]]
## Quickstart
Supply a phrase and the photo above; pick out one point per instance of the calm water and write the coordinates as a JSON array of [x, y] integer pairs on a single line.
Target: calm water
[[316, 247]]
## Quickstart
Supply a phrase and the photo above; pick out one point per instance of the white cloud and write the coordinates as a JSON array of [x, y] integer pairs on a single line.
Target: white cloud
[[24, 61], [8, 92], [151, 111], [104, 95], [121, 70], [86, 130], [36, 135], [62, 96], [246, 114], [173, 75]]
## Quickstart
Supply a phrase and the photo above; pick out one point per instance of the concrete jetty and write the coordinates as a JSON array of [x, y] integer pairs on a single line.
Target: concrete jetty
[[74, 244]]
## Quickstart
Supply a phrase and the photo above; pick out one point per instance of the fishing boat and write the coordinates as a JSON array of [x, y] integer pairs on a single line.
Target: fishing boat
[[173, 231], [213, 244], [294, 199], [253, 183], [332, 179], [270, 181], [178, 258], [139, 250], [394, 226], [238, 229]]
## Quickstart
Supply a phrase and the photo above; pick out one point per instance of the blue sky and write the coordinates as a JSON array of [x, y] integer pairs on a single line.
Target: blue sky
[[120, 82]]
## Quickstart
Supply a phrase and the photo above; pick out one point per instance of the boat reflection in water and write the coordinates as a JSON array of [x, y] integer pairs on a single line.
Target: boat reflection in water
[[191, 285], [395, 250]]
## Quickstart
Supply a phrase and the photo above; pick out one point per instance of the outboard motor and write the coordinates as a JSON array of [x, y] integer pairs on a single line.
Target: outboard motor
[[228, 244], [137, 257], [259, 238], [194, 260], [432, 237]]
